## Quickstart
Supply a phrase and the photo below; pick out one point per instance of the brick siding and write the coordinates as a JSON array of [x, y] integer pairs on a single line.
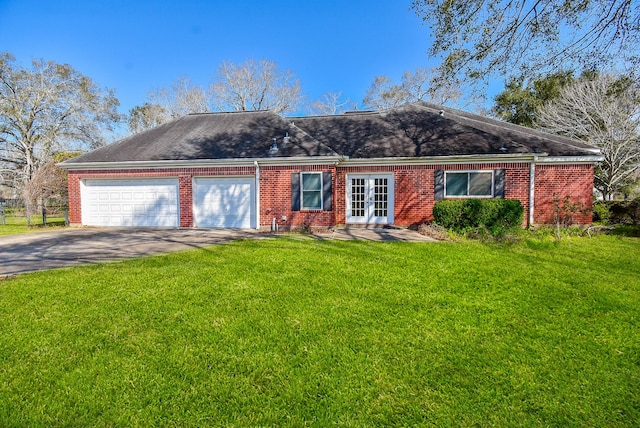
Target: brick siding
[[275, 198], [413, 190], [554, 183]]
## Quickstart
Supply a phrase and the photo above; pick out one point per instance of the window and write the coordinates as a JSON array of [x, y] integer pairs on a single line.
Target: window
[[311, 191], [472, 184]]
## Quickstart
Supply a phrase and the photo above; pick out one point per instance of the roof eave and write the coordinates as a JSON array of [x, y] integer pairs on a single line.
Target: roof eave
[[432, 160], [342, 160], [199, 163], [570, 159]]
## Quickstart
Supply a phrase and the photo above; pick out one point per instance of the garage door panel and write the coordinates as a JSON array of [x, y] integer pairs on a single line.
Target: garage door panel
[[149, 202], [224, 202]]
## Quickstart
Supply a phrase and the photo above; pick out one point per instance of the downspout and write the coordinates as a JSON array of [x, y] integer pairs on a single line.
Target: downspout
[[255, 163], [532, 191], [335, 194]]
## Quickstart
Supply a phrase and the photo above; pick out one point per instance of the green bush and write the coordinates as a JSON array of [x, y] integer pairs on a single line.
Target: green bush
[[464, 215], [617, 212], [625, 212], [601, 212]]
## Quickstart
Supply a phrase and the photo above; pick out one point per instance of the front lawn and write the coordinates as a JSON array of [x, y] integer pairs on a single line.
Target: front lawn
[[13, 225], [295, 331]]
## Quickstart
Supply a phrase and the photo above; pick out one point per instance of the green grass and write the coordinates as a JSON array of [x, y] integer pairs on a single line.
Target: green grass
[[295, 331], [18, 224]]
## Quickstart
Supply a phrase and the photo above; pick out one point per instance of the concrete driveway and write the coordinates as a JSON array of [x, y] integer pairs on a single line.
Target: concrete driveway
[[69, 247], [50, 250]]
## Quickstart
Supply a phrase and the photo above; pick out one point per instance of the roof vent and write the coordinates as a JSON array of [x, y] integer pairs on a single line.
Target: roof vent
[[274, 147], [503, 148], [441, 112]]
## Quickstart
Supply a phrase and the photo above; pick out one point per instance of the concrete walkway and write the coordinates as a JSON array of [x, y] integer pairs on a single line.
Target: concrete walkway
[[69, 247], [378, 234]]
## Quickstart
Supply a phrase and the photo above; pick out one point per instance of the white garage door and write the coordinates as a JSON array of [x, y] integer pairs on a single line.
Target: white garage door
[[224, 202], [151, 202]]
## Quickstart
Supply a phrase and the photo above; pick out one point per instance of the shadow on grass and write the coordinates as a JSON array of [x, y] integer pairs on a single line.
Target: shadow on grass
[[630, 231]]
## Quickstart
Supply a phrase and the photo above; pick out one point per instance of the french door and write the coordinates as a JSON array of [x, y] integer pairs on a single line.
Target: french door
[[370, 198]]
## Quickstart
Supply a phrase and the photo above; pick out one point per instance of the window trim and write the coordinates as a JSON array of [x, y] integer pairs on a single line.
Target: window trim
[[468, 172], [321, 190]]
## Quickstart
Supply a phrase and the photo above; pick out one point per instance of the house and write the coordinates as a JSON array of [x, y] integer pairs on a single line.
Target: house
[[258, 170]]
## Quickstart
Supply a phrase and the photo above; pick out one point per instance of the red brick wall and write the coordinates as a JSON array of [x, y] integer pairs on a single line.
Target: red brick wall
[[185, 187], [73, 185], [555, 182], [275, 198], [413, 190]]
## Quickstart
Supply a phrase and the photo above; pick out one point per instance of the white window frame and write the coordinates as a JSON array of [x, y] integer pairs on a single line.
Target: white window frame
[[302, 206], [468, 172]]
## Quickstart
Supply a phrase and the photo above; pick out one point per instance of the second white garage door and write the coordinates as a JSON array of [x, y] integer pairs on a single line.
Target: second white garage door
[[224, 202]]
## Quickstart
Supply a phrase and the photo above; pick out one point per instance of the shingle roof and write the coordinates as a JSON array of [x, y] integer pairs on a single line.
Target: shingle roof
[[424, 130], [234, 135], [413, 130]]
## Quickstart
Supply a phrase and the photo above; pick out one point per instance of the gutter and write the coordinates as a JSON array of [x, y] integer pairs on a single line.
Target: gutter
[[198, 163], [571, 159], [437, 160], [337, 160]]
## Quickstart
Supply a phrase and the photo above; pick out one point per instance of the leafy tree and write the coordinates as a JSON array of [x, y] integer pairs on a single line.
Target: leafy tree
[[255, 85], [518, 103], [480, 37], [605, 112], [147, 116], [420, 85], [46, 109]]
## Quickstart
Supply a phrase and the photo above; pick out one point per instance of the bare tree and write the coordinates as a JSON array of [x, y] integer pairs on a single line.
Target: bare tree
[[422, 84], [331, 103], [166, 103], [476, 38], [605, 112], [183, 97], [255, 86], [45, 109], [247, 86], [384, 94], [47, 181]]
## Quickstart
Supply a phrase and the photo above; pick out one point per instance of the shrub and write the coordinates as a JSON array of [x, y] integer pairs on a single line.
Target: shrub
[[448, 213], [463, 215], [625, 212], [601, 212], [617, 212]]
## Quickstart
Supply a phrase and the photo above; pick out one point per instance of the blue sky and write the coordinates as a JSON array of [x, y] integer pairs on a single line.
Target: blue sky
[[136, 46]]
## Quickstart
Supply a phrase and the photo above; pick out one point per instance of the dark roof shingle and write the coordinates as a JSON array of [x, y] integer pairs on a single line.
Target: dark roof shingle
[[413, 130], [424, 130], [234, 135]]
